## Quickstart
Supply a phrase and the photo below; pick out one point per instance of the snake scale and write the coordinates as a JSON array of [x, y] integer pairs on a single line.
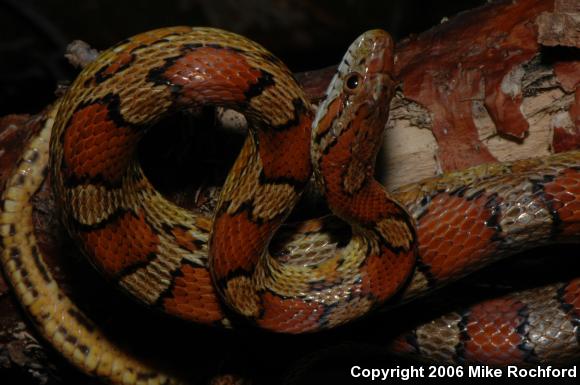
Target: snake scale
[[402, 245]]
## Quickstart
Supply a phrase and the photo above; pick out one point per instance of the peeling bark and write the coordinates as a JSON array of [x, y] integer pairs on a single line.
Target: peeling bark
[[546, 104], [562, 26]]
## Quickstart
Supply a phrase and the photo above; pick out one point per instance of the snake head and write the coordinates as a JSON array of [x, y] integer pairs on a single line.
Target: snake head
[[356, 106]]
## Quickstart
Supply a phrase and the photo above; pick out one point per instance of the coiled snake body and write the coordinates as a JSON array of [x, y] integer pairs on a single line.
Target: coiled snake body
[[430, 233]]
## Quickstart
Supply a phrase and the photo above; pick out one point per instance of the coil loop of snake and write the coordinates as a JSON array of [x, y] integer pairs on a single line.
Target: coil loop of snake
[[186, 263]]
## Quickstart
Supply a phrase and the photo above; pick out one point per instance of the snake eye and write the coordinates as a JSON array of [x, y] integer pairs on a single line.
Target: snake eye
[[352, 81]]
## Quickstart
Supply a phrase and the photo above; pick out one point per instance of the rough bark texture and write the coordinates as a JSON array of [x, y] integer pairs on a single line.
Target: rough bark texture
[[494, 84]]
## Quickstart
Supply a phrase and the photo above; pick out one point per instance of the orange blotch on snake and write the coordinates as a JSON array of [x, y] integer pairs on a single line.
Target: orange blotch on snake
[[564, 193], [401, 344], [125, 56], [237, 243], [124, 243], [454, 236], [383, 275], [121, 62], [193, 296], [571, 296], [95, 147], [212, 75], [353, 201], [285, 154], [492, 330], [332, 112], [203, 223], [184, 239], [156, 35], [289, 315], [147, 38]]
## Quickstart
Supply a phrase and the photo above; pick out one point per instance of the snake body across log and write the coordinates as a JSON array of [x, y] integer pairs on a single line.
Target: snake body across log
[[188, 264]]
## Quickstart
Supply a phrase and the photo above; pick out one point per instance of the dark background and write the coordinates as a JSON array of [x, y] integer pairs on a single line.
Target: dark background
[[305, 34]]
